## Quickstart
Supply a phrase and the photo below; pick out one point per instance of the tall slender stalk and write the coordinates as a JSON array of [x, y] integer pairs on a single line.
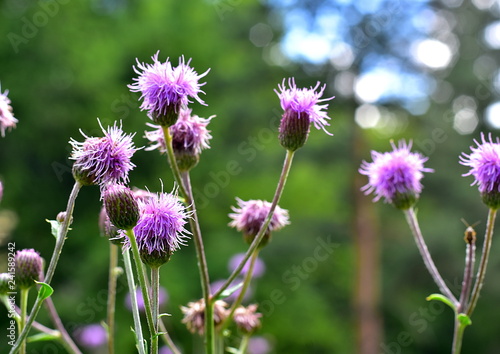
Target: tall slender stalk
[[411, 218], [155, 287], [113, 263], [22, 321], [483, 263], [458, 334], [258, 238], [61, 237], [467, 282], [133, 301]]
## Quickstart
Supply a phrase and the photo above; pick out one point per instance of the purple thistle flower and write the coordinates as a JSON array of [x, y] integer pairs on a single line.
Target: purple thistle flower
[[484, 163], [29, 267], [301, 108], [160, 229], [1, 191], [7, 120], [395, 175], [258, 345], [258, 269], [165, 89], [92, 336], [162, 299], [250, 217], [103, 160], [189, 137]]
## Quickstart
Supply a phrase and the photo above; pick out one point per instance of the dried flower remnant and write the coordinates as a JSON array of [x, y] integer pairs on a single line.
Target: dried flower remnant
[[194, 315], [247, 319]]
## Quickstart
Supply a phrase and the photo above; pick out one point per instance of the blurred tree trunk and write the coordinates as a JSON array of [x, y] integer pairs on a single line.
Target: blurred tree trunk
[[367, 248]]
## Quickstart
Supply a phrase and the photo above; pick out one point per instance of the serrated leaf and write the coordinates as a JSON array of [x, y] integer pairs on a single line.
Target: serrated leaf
[[42, 337], [230, 290], [54, 227], [442, 298], [464, 319], [45, 290]]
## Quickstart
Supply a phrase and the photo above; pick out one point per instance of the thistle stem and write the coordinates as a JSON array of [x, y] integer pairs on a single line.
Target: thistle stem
[[467, 282], [483, 263], [142, 282], [258, 238], [457, 337], [244, 288], [133, 301], [244, 344], [155, 287], [61, 237], [22, 321], [167, 339], [113, 263], [411, 218]]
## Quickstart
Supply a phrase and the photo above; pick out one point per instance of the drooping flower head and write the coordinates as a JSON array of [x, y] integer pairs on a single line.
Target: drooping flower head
[[395, 175], [484, 163], [160, 229], [92, 336], [189, 137], [103, 160], [251, 215], [29, 267], [194, 315], [7, 120], [247, 319], [302, 107], [121, 206], [165, 89]]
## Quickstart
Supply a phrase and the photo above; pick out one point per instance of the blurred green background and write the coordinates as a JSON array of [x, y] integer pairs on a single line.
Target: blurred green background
[[420, 70]]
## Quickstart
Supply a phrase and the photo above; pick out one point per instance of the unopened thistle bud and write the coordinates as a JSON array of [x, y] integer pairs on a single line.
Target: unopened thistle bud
[[194, 315], [484, 163], [109, 230], [160, 229], [395, 175], [121, 206], [7, 282], [247, 319], [301, 109], [251, 215], [166, 89], [103, 160], [29, 266]]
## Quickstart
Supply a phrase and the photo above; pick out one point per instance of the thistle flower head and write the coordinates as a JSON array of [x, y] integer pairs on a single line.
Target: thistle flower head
[[251, 215], [29, 267], [395, 175], [194, 315], [160, 229], [165, 89], [189, 137], [247, 319], [484, 163], [302, 107], [92, 336], [103, 160], [5, 283], [7, 120], [121, 206]]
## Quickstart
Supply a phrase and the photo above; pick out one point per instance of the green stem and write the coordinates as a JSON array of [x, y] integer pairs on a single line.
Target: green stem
[[244, 344], [22, 322], [167, 339], [258, 238], [457, 337], [244, 288], [61, 237], [411, 218], [185, 189], [142, 282], [113, 264], [467, 282], [155, 288], [133, 301], [484, 262]]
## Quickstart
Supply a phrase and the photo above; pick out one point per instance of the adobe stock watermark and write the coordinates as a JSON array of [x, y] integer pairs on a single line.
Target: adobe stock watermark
[[31, 25], [222, 7], [297, 273], [420, 321]]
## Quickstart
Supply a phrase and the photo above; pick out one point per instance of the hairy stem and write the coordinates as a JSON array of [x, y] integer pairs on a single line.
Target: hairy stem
[[113, 263], [155, 287]]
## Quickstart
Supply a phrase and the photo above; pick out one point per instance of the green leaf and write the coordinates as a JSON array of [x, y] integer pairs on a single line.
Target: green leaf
[[54, 227], [464, 319], [41, 337], [45, 290], [230, 290], [164, 315], [442, 298]]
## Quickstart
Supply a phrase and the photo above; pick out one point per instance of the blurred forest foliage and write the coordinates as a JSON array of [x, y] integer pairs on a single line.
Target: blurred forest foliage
[[66, 63]]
